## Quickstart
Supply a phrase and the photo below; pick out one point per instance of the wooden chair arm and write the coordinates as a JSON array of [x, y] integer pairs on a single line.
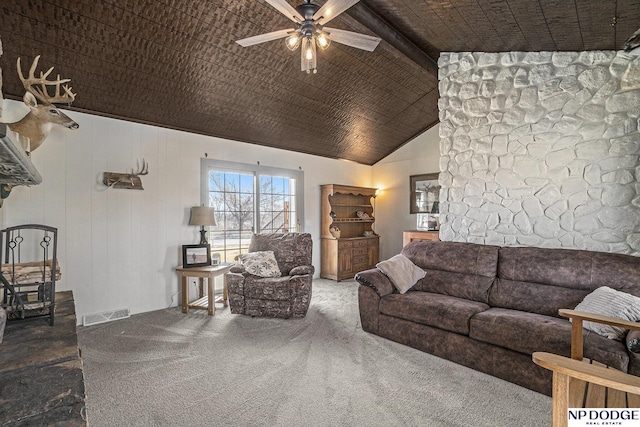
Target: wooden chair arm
[[583, 315], [611, 378], [577, 318]]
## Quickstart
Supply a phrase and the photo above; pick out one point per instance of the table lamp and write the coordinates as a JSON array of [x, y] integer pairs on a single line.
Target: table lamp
[[202, 216]]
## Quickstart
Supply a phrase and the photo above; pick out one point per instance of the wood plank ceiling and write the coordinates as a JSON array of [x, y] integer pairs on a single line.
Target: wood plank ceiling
[[175, 63]]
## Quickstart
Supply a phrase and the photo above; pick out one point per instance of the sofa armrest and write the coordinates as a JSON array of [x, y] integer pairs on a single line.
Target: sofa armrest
[[302, 270], [376, 280], [634, 364], [237, 268]]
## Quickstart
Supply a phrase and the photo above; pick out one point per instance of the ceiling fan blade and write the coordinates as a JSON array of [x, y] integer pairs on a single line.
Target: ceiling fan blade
[[331, 9], [250, 41], [286, 9], [357, 40]]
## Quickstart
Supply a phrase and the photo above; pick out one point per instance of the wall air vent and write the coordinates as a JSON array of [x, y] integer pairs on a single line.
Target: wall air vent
[[105, 316]]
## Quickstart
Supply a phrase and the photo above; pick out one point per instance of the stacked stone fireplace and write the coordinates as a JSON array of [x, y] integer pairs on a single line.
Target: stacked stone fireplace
[[541, 149]]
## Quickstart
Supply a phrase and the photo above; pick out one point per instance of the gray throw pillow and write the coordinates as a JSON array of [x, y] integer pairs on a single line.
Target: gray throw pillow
[[402, 273], [262, 264], [609, 302]]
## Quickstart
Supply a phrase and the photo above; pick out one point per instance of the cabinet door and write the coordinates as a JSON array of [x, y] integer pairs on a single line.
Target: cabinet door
[[374, 254], [344, 262]]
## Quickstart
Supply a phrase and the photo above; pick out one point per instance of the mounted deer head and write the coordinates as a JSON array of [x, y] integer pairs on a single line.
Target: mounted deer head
[[129, 181], [34, 128]]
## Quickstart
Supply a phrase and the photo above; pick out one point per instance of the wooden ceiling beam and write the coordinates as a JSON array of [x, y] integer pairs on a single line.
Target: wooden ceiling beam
[[374, 22]]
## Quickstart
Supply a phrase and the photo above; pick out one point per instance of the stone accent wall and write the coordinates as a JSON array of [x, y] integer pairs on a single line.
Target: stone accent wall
[[541, 149]]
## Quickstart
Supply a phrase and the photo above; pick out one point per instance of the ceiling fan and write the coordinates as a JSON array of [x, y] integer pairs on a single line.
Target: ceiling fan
[[311, 32]]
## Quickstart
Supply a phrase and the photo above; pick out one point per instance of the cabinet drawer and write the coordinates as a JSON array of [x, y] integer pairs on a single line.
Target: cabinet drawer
[[359, 251], [360, 243], [361, 267], [360, 259], [344, 244]]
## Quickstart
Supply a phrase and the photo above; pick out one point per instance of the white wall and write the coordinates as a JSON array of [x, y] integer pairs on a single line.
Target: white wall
[[119, 248], [391, 176]]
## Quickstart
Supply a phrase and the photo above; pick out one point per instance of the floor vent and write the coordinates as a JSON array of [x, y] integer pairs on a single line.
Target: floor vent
[[105, 316]]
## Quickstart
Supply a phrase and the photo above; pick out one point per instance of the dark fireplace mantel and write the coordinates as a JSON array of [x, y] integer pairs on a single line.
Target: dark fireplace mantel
[[15, 165], [41, 377]]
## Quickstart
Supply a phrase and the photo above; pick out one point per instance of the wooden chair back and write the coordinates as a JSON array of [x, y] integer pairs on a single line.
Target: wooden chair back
[[583, 383]]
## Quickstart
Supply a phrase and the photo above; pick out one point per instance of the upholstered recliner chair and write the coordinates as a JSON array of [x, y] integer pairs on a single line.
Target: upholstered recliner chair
[[285, 296]]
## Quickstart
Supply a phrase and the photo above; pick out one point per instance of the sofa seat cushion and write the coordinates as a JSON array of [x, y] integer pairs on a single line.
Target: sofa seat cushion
[[272, 288], [440, 311], [530, 332]]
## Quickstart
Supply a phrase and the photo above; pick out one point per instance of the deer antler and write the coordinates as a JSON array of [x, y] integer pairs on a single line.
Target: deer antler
[[129, 180], [42, 93], [144, 170]]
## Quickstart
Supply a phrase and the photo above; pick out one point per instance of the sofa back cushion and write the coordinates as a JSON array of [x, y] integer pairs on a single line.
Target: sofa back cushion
[[463, 270], [290, 249], [543, 280]]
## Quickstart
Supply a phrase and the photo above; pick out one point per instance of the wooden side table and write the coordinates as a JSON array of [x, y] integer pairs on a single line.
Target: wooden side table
[[205, 302], [409, 236]]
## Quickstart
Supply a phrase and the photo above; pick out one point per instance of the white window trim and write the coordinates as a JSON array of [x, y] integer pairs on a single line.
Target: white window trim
[[223, 165]]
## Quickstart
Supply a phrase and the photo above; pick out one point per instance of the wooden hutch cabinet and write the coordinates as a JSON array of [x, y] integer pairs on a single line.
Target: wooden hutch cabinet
[[355, 247]]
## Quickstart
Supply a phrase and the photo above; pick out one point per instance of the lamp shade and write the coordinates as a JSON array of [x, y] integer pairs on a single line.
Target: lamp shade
[[202, 215]]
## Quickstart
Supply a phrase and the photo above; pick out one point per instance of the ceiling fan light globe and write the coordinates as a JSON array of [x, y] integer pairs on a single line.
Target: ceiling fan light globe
[[307, 49], [293, 41], [323, 41]]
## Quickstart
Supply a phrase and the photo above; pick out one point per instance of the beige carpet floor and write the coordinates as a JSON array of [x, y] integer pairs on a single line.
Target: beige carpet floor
[[164, 368]]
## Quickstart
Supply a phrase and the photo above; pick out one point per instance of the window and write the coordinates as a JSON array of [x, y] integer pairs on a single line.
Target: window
[[249, 199]]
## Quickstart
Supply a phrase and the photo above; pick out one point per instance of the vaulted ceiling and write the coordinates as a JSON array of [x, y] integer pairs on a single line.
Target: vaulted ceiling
[[175, 63]]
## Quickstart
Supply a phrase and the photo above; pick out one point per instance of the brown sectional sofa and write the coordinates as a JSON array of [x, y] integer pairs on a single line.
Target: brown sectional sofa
[[489, 308]]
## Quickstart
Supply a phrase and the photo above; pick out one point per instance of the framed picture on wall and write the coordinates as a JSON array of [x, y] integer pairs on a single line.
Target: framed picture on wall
[[196, 256], [425, 193]]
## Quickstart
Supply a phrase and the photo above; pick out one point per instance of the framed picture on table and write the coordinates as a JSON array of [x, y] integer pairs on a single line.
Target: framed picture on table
[[196, 256]]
